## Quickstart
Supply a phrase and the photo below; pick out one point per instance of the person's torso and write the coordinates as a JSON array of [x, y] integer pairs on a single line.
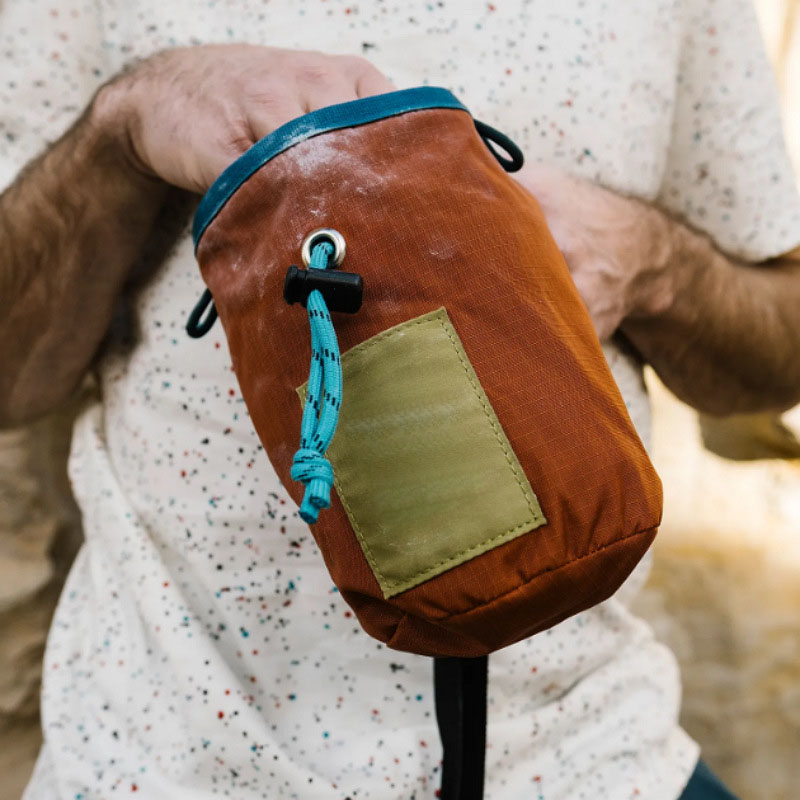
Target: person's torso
[[200, 647]]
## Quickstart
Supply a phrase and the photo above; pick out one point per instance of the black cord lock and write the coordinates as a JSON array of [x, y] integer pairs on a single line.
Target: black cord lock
[[343, 291]]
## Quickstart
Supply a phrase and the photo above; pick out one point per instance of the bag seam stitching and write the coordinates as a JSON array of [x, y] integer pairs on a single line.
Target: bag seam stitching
[[439, 316], [522, 585]]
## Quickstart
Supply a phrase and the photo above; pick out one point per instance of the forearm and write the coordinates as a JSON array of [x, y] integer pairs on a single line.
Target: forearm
[[723, 335], [74, 222], [71, 226], [727, 340]]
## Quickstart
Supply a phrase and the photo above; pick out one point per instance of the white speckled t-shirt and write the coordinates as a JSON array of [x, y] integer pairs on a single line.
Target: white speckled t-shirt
[[200, 649]]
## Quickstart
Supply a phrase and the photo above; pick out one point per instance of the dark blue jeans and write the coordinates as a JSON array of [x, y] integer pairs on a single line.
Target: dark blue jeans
[[705, 785]]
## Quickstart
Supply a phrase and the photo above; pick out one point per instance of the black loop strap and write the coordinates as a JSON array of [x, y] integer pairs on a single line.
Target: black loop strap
[[492, 137], [460, 690], [195, 325]]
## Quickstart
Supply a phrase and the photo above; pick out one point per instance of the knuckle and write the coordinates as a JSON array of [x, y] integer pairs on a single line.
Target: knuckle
[[315, 71], [358, 65], [234, 135], [267, 98], [255, 90], [235, 143], [354, 62]]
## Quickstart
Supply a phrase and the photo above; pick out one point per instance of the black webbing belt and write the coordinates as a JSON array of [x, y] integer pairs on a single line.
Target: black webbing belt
[[460, 689]]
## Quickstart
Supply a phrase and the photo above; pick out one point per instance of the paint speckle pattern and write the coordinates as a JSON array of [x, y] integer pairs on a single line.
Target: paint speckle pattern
[[199, 649]]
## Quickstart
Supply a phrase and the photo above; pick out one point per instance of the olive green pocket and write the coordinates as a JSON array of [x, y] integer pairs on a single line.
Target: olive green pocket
[[422, 466]]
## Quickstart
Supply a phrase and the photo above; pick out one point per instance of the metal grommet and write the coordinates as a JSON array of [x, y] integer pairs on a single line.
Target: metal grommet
[[324, 235]]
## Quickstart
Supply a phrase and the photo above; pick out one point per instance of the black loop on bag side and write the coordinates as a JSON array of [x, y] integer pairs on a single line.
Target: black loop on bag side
[[507, 153], [491, 137], [196, 326]]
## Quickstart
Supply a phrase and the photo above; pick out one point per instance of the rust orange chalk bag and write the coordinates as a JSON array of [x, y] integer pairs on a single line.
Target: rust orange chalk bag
[[423, 375]]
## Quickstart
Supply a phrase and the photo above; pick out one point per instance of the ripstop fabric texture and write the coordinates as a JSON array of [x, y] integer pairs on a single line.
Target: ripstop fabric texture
[[423, 469], [432, 220]]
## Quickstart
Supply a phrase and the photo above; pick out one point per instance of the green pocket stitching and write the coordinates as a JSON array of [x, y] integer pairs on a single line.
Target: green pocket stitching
[[390, 586]]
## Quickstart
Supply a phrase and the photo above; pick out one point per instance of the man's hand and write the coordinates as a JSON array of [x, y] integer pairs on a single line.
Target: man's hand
[[188, 113], [77, 217], [614, 246], [722, 334]]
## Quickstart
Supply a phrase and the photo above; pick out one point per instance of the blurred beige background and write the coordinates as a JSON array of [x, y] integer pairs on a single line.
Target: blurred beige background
[[725, 588], [724, 594]]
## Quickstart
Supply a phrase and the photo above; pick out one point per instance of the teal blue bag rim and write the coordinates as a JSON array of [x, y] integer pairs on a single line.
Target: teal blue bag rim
[[330, 118]]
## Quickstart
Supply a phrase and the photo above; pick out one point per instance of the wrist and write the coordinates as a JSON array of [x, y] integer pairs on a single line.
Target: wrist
[[665, 268], [112, 123]]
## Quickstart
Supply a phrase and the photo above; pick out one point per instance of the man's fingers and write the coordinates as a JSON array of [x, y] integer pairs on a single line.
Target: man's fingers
[[366, 79], [373, 82], [330, 92], [265, 114], [317, 82]]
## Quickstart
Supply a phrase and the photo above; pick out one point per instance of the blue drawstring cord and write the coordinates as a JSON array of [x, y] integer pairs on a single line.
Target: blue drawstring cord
[[321, 410]]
